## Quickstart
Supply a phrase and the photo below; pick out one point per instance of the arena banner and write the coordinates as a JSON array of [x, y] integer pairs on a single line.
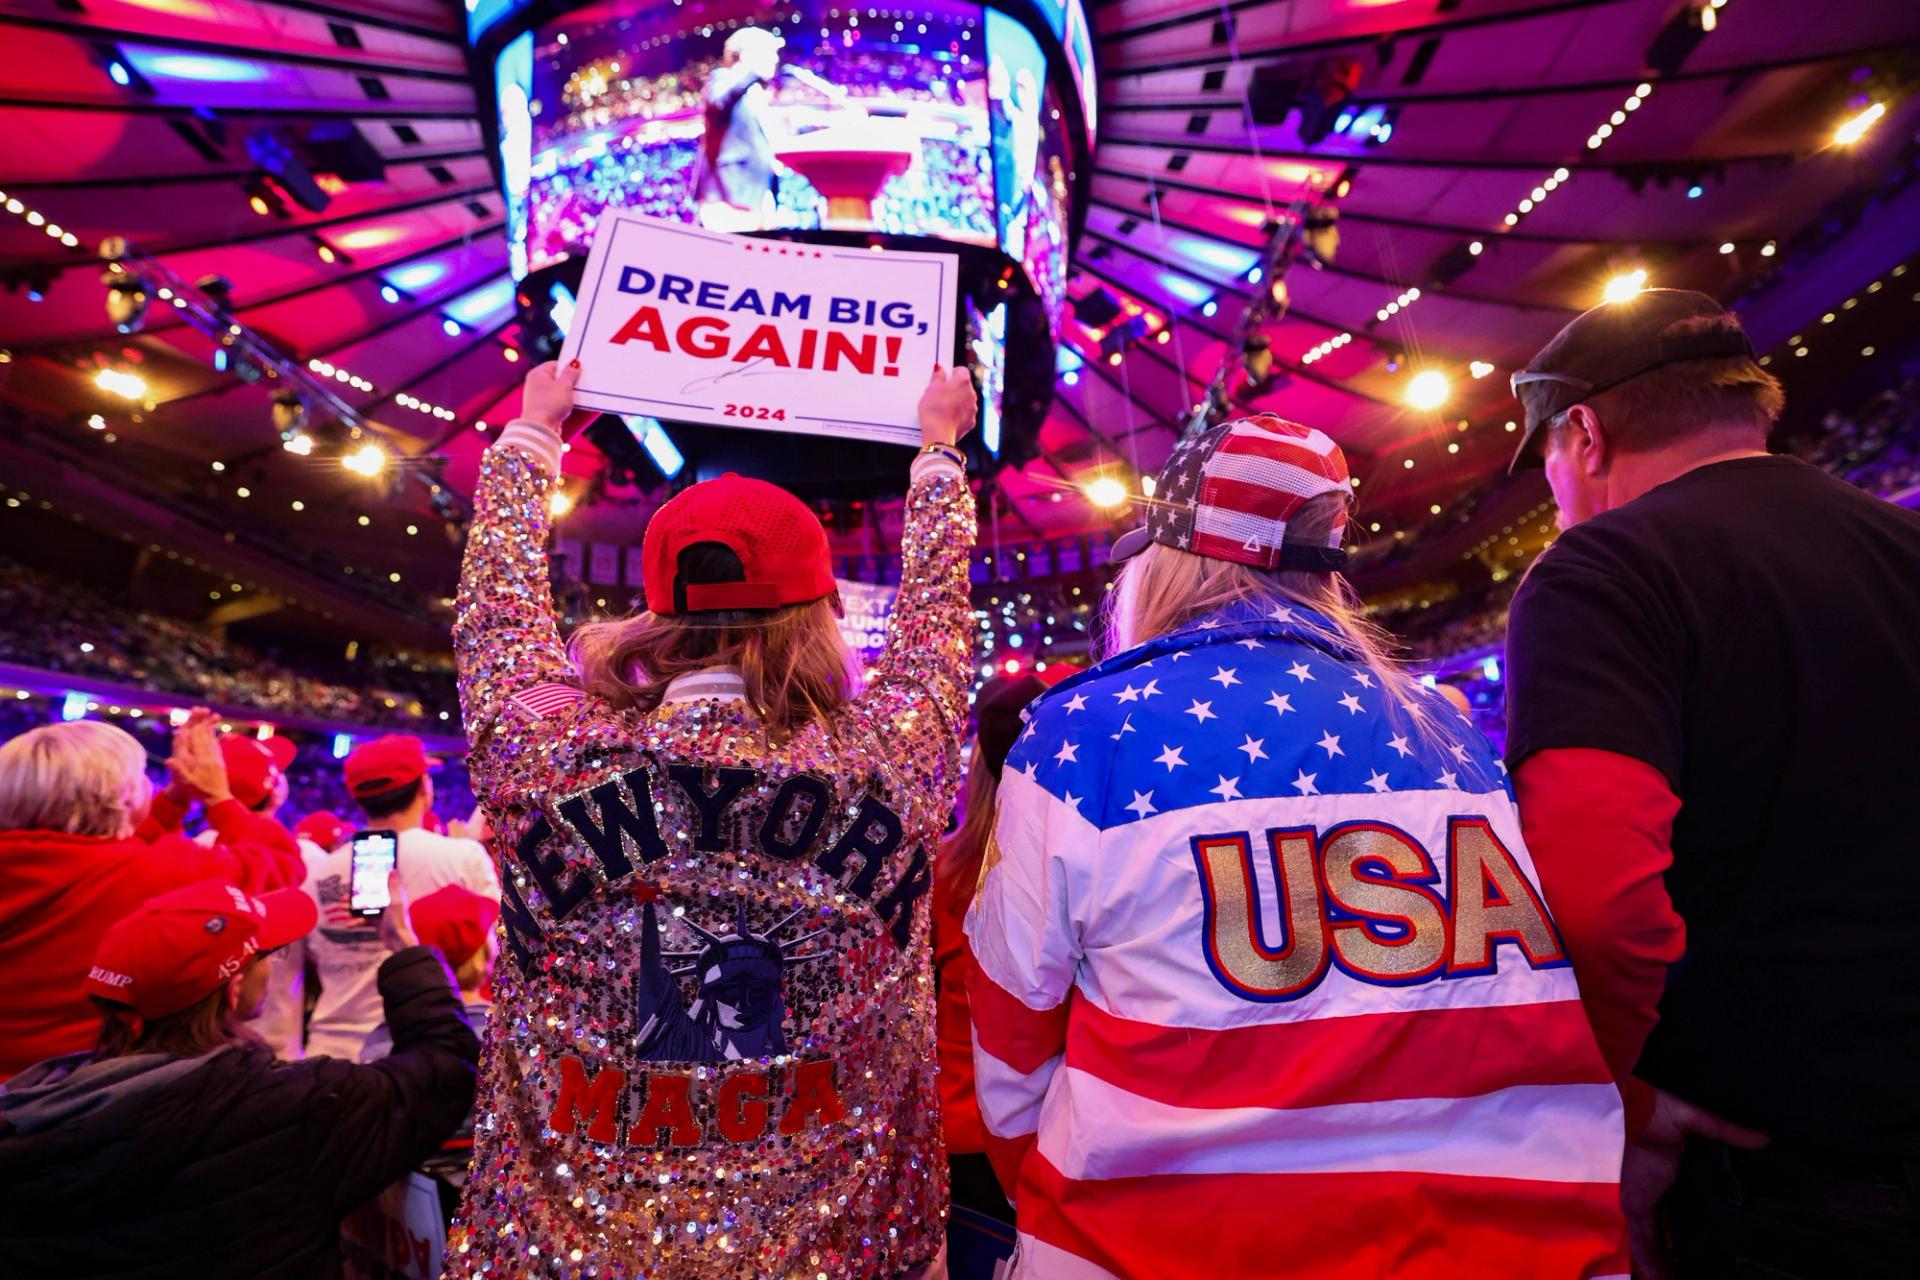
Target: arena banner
[[686, 324]]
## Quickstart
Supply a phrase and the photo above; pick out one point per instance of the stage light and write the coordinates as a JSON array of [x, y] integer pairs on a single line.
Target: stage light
[[559, 504], [126, 300], [1727, 247], [342, 745], [1512, 426], [659, 445], [119, 382], [73, 706], [510, 355], [368, 460], [1147, 486], [1428, 389], [389, 294], [1105, 492], [1071, 378], [298, 443], [1114, 358], [1855, 128], [1625, 285], [1768, 249], [325, 250], [118, 71], [243, 492], [1480, 368], [1211, 308], [452, 327], [263, 199], [289, 416]]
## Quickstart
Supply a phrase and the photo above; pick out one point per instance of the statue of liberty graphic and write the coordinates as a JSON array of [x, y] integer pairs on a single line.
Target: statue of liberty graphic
[[738, 1012]]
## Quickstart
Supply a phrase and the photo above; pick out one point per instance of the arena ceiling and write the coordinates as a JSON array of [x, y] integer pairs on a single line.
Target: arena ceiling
[[1569, 140]]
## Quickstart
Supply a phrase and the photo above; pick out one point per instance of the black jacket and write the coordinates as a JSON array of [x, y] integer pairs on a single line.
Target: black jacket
[[232, 1164]]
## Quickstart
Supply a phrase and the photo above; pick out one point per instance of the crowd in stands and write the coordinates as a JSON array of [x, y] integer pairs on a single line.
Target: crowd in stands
[[61, 626], [1876, 446]]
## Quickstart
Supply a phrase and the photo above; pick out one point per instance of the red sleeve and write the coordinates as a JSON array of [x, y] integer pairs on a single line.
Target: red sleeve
[[1600, 827], [164, 816], [255, 851]]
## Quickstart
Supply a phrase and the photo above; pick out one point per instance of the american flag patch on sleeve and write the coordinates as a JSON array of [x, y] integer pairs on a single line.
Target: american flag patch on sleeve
[[549, 699]]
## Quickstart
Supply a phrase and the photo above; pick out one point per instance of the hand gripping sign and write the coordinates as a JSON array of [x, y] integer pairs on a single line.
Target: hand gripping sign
[[681, 323]]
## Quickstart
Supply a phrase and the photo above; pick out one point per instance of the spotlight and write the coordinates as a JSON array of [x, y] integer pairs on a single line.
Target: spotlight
[[298, 443], [1480, 368], [1626, 285], [120, 382], [1256, 358], [368, 460], [127, 299], [389, 294], [263, 198], [1428, 389], [451, 327], [290, 417], [1211, 308], [1105, 492], [1855, 127], [559, 504]]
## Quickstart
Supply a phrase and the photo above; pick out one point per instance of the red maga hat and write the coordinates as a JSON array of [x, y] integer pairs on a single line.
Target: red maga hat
[[779, 542], [455, 920], [176, 949], [251, 765], [324, 829], [386, 764]]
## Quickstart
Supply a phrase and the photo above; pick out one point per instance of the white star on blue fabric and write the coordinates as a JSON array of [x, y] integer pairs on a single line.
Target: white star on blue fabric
[[1501, 765], [1172, 757], [1250, 643], [1031, 770], [1224, 677], [1252, 746], [1379, 783], [1399, 743], [1150, 689], [1229, 789], [1301, 672], [1178, 654], [1449, 780], [1352, 704], [1201, 711], [1128, 694], [1364, 680], [1126, 726], [1304, 784], [1280, 702], [1078, 702], [1330, 743], [1142, 803], [1459, 753], [1068, 753], [1069, 799], [1210, 625], [1281, 613]]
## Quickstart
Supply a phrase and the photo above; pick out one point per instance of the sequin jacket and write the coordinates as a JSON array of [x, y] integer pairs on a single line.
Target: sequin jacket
[[711, 1050]]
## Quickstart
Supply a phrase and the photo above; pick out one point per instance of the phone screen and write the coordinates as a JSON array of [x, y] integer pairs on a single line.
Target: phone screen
[[374, 855]]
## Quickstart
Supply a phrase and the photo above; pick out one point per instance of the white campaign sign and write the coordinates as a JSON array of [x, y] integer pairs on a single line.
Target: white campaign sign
[[681, 323]]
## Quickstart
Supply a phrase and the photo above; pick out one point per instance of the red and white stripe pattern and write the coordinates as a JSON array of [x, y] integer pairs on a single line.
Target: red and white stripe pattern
[[1229, 494], [548, 699], [1150, 1123]]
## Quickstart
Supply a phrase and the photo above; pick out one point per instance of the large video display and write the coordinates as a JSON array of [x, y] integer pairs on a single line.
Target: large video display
[[803, 116]]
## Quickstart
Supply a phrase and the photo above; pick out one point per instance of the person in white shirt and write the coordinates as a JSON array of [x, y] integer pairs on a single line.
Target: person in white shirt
[[389, 779]]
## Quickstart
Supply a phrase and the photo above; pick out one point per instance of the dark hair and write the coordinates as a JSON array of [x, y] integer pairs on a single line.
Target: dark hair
[[385, 804], [209, 1023]]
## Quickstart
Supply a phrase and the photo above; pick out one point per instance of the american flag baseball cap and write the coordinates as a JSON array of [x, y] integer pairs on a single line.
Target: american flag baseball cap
[[1228, 493]]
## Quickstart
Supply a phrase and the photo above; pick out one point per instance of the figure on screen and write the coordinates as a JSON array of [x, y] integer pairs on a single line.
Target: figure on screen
[[737, 183]]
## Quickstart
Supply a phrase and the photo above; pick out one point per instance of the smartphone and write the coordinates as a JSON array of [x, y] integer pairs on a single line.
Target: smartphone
[[375, 854]]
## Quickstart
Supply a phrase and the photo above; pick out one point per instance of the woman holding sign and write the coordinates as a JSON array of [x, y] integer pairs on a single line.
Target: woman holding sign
[[712, 1049]]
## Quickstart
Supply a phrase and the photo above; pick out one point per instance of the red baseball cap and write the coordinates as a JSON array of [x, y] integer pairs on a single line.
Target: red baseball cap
[[386, 764], [251, 765], [456, 920], [323, 828], [781, 547], [174, 950], [1228, 493]]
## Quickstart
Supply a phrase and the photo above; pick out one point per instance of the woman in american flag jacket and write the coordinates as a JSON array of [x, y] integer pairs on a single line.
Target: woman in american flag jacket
[[1263, 981], [711, 1047]]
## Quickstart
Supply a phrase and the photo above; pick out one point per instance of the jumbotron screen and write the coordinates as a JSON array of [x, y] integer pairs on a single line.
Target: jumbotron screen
[[804, 116]]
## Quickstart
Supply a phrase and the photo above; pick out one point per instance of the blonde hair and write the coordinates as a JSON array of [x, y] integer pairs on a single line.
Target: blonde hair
[[84, 778], [795, 663], [964, 850], [1163, 589]]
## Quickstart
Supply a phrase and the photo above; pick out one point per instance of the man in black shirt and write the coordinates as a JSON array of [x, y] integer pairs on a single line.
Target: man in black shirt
[[1714, 727]]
